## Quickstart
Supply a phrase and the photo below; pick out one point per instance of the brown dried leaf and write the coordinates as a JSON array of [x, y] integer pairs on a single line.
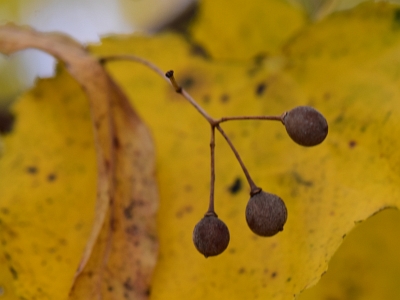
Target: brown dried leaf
[[122, 248]]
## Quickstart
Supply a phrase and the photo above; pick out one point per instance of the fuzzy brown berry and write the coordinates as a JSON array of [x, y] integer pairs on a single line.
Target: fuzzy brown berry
[[306, 126], [266, 214], [211, 235]]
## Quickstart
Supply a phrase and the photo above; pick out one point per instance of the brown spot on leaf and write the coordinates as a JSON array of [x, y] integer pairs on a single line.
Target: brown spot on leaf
[[274, 274], [13, 273], [352, 143], [184, 210], [32, 170], [327, 96], [224, 98], [7, 256], [236, 186], [132, 230], [51, 177], [260, 89], [4, 210], [241, 270], [128, 284], [116, 142], [300, 180], [199, 50], [206, 98], [187, 82], [129, 210]]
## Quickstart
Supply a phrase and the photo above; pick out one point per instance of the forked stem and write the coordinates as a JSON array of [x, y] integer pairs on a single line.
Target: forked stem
[[215, 123], [254, 189]]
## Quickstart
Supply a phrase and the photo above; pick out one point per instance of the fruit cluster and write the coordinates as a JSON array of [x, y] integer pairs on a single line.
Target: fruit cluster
[[266, 213]]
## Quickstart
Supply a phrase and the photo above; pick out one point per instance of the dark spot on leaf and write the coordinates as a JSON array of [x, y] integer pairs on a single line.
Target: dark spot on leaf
[[338, 119], [113, 224], [51, 177], [344, 235], [128, 211], [14, 273], [363, 128], [198, 50], [274, 274], [396, 18], [107, 165], [4, 210], [259, 58], [241, 270], [187, 82], [184, 210], [232, 250], [289, 279], [206, 98], [352, 144], [300, 180], [116, 142], [236, 186], [260, 89], [110, 288], [128, 284], [147, 292], [32, 170], [7, 256], [224, 98], [62, 241], [6, 121], [132, 230]]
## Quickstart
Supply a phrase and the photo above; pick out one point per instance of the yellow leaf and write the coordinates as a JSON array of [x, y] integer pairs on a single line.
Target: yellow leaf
[[48, 189], [344, 66], [367, 264], [238, 30]]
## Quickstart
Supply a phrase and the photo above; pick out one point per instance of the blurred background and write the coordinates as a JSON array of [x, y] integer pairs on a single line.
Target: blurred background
[[89, 20]]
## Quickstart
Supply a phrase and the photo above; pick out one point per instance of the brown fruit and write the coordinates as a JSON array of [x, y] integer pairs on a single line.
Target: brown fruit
[[211, 235], [266, 214], [306, 126]]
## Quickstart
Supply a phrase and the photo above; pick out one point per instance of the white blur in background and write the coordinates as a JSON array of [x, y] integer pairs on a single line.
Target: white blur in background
[[85, 20]]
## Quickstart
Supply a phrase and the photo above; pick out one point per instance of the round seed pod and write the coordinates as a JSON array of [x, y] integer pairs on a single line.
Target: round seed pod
[[306, 126], [266, 214], [211, 235]]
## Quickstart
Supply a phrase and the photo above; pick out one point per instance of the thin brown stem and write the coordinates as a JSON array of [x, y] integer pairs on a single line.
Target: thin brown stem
[[212, 181], [271, 118], [134, 58], [253, 188], [180, 90]]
